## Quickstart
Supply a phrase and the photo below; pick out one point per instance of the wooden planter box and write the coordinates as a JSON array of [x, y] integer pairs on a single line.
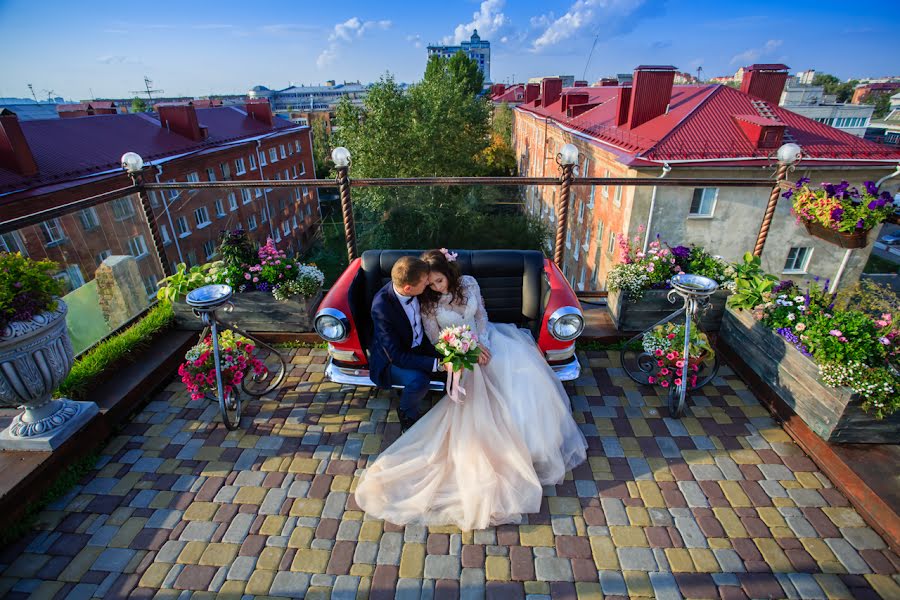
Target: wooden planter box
[[856, 239], [258, 312], [833, 413], [654, 306]]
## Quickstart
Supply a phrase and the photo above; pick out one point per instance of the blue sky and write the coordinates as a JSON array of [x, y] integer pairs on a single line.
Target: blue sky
[[227, 46]]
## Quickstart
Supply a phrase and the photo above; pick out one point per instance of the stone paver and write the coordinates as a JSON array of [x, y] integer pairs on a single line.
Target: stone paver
[[718, 504]]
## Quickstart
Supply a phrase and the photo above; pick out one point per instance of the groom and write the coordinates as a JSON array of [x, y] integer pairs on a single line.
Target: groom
[[400, 353]]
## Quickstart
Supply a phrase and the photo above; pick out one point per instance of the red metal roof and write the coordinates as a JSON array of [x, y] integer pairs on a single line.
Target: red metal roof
[[67, 149], [700, 125], [514, 93]]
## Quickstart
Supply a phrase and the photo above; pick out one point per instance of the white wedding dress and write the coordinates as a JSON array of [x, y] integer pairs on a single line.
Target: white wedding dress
[[480, 462]]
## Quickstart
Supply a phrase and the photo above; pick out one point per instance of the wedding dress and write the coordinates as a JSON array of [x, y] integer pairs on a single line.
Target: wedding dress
[[480, 462]]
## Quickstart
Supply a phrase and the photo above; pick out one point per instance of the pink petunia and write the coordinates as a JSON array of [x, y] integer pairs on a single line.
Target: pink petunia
[[671, 336], [678, 381], [247, 276], [660, 363], [679, 364], [658, 352], [664, 383], [664, 371], [836, 333], [651, 379], [671, 356]]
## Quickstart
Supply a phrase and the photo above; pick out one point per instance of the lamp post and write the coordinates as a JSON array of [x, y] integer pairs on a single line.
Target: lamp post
[[341, 158], [788, 156], [134, 165], [566, 159]]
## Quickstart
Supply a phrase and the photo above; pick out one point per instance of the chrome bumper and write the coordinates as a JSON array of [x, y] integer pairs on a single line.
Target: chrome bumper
[[568, 371]]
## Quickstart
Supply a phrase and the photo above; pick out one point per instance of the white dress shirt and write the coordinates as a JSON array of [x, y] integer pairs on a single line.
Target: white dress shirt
[[414, 315]]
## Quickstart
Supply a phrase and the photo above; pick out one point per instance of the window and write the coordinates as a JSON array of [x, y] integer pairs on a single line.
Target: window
[[172, 193], [258, 192], [193, 178], [252, 162], [587, 238], [264, 215], [283, 153], [192, 258], [797, 260], [580, 212], [209, 248], [88, 218], [220, 208], [252, 222], [604, 191], [71, 277], [294, 171], [246, 196], [232, 201], [290, 147], [302, 169], [297, 145], [617, 199], [226, 170], [164, 234], [308, 209], [150, 286], [182, 227], [102, 255], [287, 174], [568, 237], [122, 209], [154, 199], [591, 202], [12, 242], [305, 191], [262, 159], [277, 235], [611, 244], [210, 174], [286, 227], [703, 204], [294, 222], [201, 217], [239, 168], [53, 232], [137, 247], [273, 154]]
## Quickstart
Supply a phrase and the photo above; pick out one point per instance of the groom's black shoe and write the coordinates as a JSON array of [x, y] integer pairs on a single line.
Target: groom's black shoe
[[405, 422]]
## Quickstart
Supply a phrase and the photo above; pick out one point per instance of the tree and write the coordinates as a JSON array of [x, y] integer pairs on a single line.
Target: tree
[[833, 86], [138, 105], [502, 122], [321, 142], [465, 73], [882, 102]]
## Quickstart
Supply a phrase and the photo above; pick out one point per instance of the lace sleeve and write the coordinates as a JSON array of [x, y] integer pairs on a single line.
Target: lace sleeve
[[473, 296], [430, 324]]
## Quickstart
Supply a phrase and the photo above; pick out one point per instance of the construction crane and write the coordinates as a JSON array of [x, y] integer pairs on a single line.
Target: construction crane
[[148, 83]]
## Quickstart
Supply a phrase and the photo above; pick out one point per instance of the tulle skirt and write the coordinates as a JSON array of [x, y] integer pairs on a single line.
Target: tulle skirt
[[480, 462]]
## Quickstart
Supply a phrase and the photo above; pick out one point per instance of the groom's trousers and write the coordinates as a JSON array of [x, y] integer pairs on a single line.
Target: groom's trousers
[[415, 388]]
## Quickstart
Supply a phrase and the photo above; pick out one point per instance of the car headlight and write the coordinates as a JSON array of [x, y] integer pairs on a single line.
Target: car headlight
[[566, 323], [332, 325]]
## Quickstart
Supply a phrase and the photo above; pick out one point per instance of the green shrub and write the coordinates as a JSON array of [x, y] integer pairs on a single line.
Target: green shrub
[[27, 287]]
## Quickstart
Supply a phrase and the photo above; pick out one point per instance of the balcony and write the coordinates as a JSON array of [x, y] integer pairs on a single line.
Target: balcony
[[737, 498]]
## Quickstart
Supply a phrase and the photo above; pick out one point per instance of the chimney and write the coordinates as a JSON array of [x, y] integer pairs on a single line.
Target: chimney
[[580, 109], [14, 151], [181, 119], [259, 109], [551, 90], [609, 82], [765, 82], [650, 94], [497, 88], [581, 83], [532, 91], [574, 98], [622, 102]]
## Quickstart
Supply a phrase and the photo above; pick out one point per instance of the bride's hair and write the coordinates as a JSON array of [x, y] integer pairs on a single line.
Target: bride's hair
[[437, 261]]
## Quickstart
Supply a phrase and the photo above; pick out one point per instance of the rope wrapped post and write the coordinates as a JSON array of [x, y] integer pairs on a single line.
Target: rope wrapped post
[[566, 159], [341, 158], [788, 156], [133, 165]]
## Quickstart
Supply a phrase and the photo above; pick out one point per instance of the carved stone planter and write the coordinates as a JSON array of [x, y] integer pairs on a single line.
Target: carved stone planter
[[833, 413], [655, 306], [258, 312], [35, 357]]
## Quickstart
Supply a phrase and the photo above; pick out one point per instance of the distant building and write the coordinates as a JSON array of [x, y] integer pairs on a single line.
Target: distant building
[[567, 80], [812, 102], [806, 77], [475, 48], [864, 90], [32, 110], [310, 97]]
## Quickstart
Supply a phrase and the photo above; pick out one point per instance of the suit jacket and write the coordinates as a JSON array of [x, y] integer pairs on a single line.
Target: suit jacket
[[392, 340]]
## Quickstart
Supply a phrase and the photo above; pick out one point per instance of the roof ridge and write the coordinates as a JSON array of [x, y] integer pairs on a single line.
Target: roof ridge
[[715, 89]]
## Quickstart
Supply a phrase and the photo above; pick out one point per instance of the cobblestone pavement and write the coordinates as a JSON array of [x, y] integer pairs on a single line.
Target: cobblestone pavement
[[720, 504]]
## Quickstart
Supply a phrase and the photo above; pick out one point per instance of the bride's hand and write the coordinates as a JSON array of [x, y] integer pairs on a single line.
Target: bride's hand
[[485, 356]]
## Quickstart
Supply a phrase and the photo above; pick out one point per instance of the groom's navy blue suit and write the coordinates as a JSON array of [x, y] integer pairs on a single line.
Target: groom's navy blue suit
[[393, 360]]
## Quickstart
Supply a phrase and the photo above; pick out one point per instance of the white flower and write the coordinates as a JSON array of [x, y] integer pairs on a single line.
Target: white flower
[[791, 316]]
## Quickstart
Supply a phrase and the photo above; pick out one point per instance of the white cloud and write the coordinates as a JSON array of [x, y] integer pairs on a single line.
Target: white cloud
[[489, 20], [753, 54], [117, 59], [212, 26], [351, 29], [583, 14], [415, 40]]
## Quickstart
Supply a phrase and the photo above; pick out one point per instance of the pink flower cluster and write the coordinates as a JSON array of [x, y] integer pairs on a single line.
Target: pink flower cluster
[[199, 375]]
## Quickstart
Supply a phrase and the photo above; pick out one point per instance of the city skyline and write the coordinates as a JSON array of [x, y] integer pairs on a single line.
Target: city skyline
[[228, 47]]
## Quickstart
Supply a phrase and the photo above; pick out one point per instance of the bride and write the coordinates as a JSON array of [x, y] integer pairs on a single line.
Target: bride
[[481, 461]]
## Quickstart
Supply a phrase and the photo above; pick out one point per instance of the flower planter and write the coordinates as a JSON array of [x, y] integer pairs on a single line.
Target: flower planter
[[258, 312], [857, 239], [655, 306], [834, 414], [35, 357]]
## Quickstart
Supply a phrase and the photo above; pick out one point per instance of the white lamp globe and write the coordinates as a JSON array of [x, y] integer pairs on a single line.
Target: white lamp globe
[[790, 154], [568, 155], [132, 162], [341, 157]]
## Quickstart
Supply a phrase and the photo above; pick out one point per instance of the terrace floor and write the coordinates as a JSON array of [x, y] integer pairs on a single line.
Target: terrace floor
[[721, 504]]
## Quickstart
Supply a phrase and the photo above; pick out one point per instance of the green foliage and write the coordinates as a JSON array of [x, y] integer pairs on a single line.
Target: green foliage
[[750, 282], [870, 297], [138, 105], [96, 362], [858, 339], [177, 285], [882, 102], [321, 140], [502, 122], [27, 287], [236, 248], [465, 73], [833, 85], [701, 262]]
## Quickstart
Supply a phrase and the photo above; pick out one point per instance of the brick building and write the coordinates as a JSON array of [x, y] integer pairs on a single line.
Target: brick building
[[45, 164], [699, 131]]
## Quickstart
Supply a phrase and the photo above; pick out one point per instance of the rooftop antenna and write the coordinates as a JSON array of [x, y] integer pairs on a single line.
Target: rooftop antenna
[[92, 93], [31, 88], [148, 84], [49, 94]]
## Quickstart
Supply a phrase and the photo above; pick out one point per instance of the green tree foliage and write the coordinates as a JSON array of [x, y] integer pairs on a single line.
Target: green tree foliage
[[321, 141], [882, 104], [465, 73], [833, 85], [502, 123], [138, 105]]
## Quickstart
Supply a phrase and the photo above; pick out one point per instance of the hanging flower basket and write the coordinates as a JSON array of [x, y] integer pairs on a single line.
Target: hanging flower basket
[[851, 240]]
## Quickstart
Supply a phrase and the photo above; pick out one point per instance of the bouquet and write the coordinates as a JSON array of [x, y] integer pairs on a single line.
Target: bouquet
[[665, 343], [459, 348], [198, 372]]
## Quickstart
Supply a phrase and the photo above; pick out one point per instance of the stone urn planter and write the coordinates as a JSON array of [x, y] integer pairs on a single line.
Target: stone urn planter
[[35, 357], [655, 306], [259, 312], [833, 413]]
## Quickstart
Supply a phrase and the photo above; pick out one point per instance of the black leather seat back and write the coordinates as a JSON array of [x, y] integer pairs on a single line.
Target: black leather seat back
[[511, 281]]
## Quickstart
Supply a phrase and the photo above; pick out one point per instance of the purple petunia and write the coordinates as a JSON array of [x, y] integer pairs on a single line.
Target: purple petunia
[[793, 339], [860, 224], [873, 205], [801, 182], [788, 194], [837, 213], [871, 188], [681, 252]]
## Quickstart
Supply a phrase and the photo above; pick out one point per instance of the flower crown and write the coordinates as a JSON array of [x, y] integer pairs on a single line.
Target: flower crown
[[450, 256]]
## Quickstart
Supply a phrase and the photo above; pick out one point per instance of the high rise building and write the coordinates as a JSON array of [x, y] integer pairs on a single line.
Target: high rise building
[[476, 49]]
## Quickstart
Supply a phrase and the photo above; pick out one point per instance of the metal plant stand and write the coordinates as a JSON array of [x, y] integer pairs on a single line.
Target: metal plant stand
[[205, 301], [640, 365]]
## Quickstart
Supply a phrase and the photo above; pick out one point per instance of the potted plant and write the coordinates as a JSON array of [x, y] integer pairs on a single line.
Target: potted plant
[[828, 364], [665, 345], [198, 372], [639, 284], [35, 356], [840, 214], [175, 287]]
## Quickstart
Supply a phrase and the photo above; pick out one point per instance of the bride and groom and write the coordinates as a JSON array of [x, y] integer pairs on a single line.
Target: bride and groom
[[481, 461]]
